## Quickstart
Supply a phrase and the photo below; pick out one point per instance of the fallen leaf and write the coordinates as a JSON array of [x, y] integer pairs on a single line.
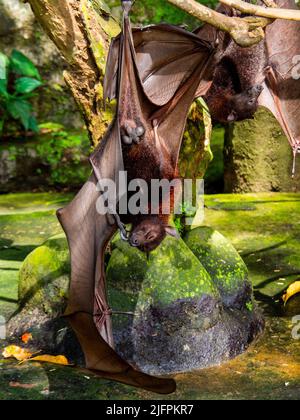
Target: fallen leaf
[[293, 289], [45, 392], [58, 360], [17, 353], [23, 386], [26, 338]]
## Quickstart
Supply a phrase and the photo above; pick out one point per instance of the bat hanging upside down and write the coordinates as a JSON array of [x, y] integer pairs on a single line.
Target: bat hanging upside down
[[155, 73]]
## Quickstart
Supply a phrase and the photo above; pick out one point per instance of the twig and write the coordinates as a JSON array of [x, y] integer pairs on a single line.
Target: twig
[[268, 12], [246, 31]]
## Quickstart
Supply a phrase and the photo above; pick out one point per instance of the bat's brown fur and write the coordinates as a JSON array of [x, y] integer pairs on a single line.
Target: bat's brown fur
[[145, 161], [231, 96]]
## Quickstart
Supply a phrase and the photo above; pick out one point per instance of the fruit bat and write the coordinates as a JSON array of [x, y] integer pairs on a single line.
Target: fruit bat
[[263, 75], [281, 93], [154, 73]]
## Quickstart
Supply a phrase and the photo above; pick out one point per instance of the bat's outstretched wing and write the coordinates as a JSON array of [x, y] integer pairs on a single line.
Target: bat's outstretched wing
[[170, 66], [282, 85], [166, 56], [88, 233]]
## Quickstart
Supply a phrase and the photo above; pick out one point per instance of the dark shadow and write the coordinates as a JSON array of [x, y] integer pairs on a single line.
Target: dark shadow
[[41, 284], [257, 251], [5, 243], [269, 262], [273, 201], [271, 279], [8, 300], [14, 253]]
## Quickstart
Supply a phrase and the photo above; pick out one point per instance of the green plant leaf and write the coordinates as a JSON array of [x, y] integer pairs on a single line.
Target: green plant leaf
[[4, 61], [3, 88], [26, 85], [33, 125], [20, 110], [20, 64], [1, 126]]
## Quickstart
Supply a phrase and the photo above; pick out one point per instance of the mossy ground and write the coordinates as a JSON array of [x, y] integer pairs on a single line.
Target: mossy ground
[[265, 228], [26, 221]]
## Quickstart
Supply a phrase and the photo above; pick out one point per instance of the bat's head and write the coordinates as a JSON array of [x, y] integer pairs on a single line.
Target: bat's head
[[244, 104], [149, 233]]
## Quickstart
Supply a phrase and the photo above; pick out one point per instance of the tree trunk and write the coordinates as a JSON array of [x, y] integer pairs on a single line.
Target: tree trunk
[[256, 157], [81, 30]]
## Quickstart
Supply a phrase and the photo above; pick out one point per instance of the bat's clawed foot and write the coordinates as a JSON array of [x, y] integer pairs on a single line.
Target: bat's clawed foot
[[132, 132]]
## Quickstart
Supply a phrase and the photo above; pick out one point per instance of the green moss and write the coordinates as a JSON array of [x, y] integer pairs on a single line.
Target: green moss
[[174, 273], [171, 273], [96, 15], [23, 228], [44, 277], [127, 268], [260, 373], [29, 229], [31, 202], [267, 236], [225, 266], [258, 156]]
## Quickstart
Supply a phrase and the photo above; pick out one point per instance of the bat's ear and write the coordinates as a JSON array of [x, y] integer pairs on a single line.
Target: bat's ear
[[172, 232], [232, 116]]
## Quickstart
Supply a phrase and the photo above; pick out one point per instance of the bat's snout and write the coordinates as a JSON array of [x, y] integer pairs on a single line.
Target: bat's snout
[[134, 241]]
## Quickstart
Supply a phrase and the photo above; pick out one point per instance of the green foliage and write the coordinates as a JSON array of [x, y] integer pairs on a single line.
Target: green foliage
[[19, 78], [63, 152], [157, 11], [250, 306]]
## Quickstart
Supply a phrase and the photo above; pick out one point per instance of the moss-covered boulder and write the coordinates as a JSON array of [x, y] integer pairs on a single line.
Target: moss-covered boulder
[[44, 277], [173, 316], [224, 264], [171, 272], [168, 314], [43, 292]]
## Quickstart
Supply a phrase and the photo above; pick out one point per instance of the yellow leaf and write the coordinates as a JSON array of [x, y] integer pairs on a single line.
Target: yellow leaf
[[58, 360], [19, 385], [26, 338], [17, 353], [293, 289]]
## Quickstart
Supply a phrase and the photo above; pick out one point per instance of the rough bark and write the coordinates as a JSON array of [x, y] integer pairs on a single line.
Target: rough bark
[[255, 157], [81, 30]]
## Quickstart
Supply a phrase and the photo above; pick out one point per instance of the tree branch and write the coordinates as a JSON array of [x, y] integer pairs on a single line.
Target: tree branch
[[246, 31], [269, 12]]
